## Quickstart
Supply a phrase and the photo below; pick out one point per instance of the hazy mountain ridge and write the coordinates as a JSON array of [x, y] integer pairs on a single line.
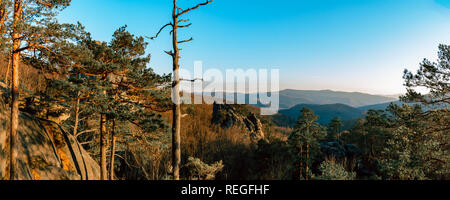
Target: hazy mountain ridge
[[382, 106], [328, 104], [291, 98]]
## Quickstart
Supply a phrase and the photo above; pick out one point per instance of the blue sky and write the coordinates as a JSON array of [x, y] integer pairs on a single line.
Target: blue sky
[[345, 45]]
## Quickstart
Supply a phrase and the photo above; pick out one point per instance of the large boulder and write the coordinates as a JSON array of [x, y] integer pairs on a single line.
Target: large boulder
[[45, 151]]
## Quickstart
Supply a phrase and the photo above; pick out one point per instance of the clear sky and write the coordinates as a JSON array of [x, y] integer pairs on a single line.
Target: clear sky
[[345, 45]]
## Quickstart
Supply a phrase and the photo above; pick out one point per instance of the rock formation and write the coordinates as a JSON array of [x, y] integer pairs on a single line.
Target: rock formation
[[235, 115], [45, 150]]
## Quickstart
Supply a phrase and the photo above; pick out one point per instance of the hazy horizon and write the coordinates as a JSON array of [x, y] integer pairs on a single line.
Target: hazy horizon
[[351, 46]]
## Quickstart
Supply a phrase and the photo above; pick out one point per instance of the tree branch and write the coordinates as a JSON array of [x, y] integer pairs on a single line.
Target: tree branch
[[192, 80], [184, 41], [185, 26], [83, 132], [169, 52], [193, 8], [160, 30]]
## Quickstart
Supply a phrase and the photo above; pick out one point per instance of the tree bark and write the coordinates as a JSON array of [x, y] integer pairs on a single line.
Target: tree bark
[[77, 115], [103, 148], [301, 161], [307, 162], [176, 135], [113, 152], [13, 139]]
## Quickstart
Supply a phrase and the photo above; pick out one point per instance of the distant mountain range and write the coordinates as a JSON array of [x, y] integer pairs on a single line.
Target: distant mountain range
[[291, 98], [348, 114], [381, 106], [326, 112], [327, 104]]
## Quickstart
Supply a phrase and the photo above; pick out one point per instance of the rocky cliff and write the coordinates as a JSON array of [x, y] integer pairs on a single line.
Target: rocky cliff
[[45, 150], [236, 115]]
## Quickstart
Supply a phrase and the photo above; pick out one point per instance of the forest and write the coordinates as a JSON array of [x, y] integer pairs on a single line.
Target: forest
[[73, 108]]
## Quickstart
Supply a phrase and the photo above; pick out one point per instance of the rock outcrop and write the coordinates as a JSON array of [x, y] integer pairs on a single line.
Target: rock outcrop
[[45, 150], [233, 115]]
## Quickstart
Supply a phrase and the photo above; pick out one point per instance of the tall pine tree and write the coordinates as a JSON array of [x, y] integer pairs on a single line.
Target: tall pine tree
[[305, 141], [31, 30]]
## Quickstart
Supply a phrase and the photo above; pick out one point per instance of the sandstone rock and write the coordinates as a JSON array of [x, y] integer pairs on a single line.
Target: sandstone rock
[[45, 151], [229, 115]]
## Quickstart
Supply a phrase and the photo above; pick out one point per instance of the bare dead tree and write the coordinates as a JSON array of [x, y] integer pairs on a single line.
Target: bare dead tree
[[177, 22]]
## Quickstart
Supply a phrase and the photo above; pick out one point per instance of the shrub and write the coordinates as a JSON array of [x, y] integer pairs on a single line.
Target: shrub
[[198, 170], [331, 170]]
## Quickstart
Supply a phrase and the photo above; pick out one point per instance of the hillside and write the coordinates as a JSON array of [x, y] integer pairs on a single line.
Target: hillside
[[326, 113], [382, 106]]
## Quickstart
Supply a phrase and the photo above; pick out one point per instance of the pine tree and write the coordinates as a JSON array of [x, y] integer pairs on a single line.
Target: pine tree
[[377, 127], [31, 30], [418, 147], [305, 141], [334, 129], [434, 76], [110, 81], [136, 88]]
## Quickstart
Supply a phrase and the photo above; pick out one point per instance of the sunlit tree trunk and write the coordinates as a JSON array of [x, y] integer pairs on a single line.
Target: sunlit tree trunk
[[113, 151], [103, 148], [15, 90], [77, 115]]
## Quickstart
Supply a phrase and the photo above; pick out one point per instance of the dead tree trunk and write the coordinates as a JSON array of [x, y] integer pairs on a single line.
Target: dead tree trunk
[[176, 126], [177, 12], [13, 139]]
